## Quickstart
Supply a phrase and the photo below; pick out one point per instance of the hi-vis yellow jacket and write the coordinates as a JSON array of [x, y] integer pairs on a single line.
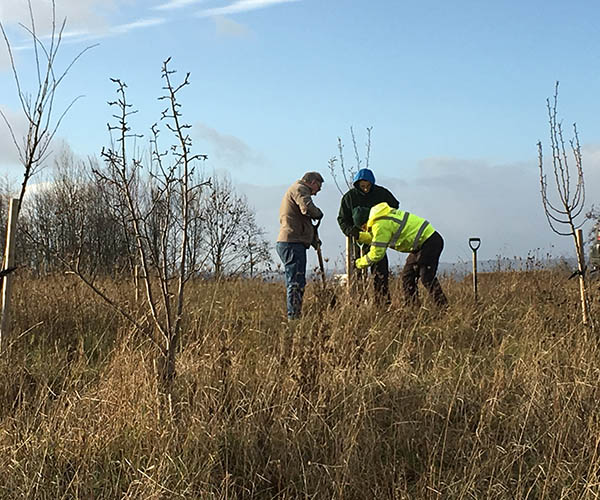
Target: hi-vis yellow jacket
[[397, 229]]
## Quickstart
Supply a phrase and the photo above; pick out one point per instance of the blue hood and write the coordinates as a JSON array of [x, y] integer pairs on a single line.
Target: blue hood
[[364, 174]]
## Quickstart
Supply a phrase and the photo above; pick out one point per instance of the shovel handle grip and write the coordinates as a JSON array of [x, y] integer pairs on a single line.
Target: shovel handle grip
[[474, 243]]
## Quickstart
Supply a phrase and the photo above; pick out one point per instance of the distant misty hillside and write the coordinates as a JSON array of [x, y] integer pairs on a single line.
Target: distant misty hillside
[[460, 269]]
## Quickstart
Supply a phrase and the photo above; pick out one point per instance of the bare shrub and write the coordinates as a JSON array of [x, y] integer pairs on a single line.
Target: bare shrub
[[230, 235], [67, 220]]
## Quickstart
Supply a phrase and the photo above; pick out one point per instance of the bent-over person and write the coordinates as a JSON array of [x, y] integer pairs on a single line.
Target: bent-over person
[[402, 231]]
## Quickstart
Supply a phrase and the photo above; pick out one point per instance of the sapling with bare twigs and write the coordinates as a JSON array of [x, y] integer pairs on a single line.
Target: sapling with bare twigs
[[157, 200], [174, 188], [347, 173], [37, 106], [563, 215]]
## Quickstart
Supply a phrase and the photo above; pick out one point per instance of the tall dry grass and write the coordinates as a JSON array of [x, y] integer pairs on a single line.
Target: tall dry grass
[[491, 400]]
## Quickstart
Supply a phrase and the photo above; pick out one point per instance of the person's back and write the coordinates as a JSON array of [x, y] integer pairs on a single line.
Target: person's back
[[295, 213], [403, 232]]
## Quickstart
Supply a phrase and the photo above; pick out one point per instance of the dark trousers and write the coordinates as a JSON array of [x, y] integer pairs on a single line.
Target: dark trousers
[[293, 257], [381, 276], [423, 265]]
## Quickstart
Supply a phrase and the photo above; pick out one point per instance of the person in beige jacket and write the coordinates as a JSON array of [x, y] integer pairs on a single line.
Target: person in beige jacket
[[296, 234]]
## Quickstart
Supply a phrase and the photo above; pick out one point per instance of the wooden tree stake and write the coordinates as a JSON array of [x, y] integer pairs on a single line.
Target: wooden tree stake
[[349, 263], [582, 288], [9, 261]]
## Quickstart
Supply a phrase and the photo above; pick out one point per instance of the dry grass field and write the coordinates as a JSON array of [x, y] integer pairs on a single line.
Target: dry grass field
[[493, 400]]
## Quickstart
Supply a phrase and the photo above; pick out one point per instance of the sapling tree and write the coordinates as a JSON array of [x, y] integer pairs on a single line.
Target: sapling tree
[[164, 218], [347, 173], [158, 197], [564, 214], [41, 117], [337, 163]]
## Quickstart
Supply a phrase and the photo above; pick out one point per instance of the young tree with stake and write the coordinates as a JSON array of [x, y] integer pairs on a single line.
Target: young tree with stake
[[38, 109], [570, 188]]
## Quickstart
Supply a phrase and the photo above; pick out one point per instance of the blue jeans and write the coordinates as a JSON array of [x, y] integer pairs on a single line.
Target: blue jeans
[[293, 256]]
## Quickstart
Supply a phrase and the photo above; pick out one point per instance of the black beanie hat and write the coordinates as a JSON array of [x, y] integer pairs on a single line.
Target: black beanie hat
[[360, 215]]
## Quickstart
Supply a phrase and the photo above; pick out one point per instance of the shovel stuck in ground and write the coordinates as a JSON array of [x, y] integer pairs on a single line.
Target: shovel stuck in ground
[[325, 294]]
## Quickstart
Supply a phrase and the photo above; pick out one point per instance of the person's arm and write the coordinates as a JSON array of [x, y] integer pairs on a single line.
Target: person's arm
[[345, 219], [391, 199], [303, 198], [379, 243], [365, 238]]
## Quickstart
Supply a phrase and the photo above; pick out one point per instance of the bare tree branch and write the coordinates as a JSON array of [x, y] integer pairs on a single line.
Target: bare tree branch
[[38, 108]]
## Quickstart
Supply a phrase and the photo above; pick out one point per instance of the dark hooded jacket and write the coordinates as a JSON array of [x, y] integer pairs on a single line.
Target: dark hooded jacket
[[356, 198]]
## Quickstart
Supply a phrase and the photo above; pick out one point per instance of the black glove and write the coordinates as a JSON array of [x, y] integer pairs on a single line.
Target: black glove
[[316, 242], [355, 232]]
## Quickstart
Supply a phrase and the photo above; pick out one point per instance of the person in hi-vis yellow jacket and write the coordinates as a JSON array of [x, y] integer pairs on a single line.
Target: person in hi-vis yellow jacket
[[384, 227]]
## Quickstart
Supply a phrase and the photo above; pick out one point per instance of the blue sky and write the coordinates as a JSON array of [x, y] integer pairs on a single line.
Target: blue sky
[[455, 93]]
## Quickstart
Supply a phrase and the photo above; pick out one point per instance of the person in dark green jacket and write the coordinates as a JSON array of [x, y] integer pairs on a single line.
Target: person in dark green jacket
[[366, 193]]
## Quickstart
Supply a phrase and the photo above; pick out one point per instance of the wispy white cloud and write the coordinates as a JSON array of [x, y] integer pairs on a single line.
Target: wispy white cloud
[[228, 27], [230, 151], [85, 20], [79, 13], [83, 35], [176, 4], [241, 6], [140, 23], [66, 35]]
